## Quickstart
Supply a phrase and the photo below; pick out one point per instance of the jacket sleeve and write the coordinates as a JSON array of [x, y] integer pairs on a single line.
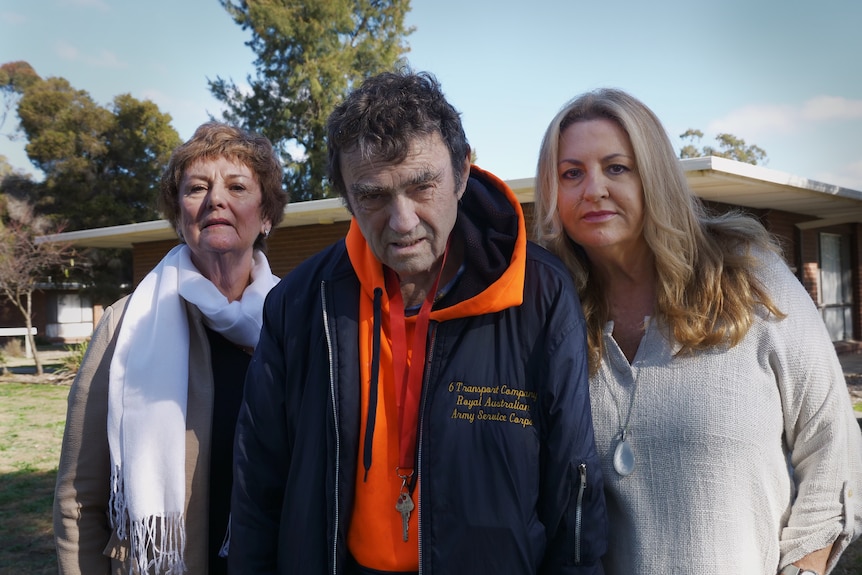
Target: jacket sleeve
[[822, 435], [81, 527], [261, 451], [572, 505]]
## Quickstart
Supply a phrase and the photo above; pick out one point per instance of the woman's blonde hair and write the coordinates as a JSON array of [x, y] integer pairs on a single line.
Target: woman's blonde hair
[[706, 290]]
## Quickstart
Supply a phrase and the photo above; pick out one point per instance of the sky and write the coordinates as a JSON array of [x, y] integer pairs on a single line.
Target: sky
[[785, 75]]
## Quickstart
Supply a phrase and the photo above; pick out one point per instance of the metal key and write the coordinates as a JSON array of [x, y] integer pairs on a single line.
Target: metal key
[[404, 506]]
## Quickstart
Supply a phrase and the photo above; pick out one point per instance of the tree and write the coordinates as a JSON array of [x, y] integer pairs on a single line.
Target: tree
[[6, 168], [101, 165], [729, 146], [309, 54], [24, 263], [15, 77]]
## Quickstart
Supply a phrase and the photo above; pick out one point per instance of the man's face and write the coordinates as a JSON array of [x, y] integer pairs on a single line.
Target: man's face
[[406, 210]]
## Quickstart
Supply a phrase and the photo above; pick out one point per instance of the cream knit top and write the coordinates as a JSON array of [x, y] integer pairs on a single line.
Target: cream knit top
[[746, 459]]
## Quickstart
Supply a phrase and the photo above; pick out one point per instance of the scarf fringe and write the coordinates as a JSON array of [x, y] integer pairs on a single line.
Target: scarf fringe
[[157, 544], [117, 505], [148, 382]]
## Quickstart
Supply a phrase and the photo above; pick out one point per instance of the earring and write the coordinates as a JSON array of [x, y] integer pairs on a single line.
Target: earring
[[266, 232]]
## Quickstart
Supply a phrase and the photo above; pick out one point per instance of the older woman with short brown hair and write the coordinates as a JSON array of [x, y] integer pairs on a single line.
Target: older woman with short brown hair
[[145, 473]]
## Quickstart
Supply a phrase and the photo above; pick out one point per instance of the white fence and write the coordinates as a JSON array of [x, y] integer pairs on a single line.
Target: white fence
[[19, 331]]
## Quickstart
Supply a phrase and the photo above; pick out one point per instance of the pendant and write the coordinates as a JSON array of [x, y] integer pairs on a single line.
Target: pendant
[[624, 457]]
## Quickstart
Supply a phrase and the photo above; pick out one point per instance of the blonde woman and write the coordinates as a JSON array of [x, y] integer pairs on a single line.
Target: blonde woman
[[722, 418]]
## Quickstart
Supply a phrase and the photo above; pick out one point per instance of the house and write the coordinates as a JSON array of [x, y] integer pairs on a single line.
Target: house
[[61, 313], [819, 226]]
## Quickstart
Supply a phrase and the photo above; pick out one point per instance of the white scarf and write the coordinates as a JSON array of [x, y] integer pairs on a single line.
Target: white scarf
[[147, 396]]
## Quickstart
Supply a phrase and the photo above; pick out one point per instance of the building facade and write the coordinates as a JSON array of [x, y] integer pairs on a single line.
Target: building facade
[[818, 225]]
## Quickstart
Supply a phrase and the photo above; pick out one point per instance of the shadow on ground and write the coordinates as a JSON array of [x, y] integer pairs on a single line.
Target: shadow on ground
[[26, 535]]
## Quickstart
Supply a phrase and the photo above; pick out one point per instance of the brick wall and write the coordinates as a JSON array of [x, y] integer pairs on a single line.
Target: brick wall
[[783, 226], [809, 255], [145, 256], [288, 247], [802, 251]]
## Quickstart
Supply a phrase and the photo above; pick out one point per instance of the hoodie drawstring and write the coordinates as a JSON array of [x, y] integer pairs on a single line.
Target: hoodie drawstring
[[371, 416]]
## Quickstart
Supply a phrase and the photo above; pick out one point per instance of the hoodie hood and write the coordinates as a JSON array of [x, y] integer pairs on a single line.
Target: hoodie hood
[[491, 225]]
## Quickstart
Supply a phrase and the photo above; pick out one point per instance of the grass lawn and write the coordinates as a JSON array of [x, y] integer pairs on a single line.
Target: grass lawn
[[32, 417]]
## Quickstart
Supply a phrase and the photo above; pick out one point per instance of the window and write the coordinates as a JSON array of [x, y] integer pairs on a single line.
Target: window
[[72, 308], [836, 300]]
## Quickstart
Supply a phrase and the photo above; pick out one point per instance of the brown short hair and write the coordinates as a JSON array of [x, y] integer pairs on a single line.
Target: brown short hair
[[219, 140]]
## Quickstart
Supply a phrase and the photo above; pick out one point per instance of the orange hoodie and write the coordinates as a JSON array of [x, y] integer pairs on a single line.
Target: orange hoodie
[[375, 533]]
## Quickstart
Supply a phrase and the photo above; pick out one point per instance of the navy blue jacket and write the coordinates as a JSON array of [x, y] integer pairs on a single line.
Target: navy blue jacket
[[503, 489]]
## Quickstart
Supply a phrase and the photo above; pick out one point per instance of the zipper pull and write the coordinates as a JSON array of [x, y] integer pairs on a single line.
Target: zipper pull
[[582, 470]]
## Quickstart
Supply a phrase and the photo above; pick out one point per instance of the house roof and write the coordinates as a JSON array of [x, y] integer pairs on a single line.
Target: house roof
[[711, 178], [732, 182]]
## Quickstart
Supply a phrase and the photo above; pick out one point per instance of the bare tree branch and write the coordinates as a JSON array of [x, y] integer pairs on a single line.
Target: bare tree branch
[[24, 264]]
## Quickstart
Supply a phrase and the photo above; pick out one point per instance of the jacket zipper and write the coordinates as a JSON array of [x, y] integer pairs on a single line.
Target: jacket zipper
[[323, 306], [582, 469], [428, 360]]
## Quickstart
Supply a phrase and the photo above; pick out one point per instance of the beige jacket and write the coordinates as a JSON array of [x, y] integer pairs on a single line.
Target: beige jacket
[[86, 544]]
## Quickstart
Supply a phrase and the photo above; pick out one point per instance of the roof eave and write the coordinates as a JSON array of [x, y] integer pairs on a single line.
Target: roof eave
[[711, 178]]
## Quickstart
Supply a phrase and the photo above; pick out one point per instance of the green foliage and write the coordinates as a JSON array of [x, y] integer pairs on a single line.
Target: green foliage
[[71, 363], [729, 146], [63, 127], [106, 274], [309, 54], [15, 77], [17, 185], [101, 165]]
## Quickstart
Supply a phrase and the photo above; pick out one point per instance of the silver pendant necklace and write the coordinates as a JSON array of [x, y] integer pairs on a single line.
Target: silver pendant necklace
[[624, 455]]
